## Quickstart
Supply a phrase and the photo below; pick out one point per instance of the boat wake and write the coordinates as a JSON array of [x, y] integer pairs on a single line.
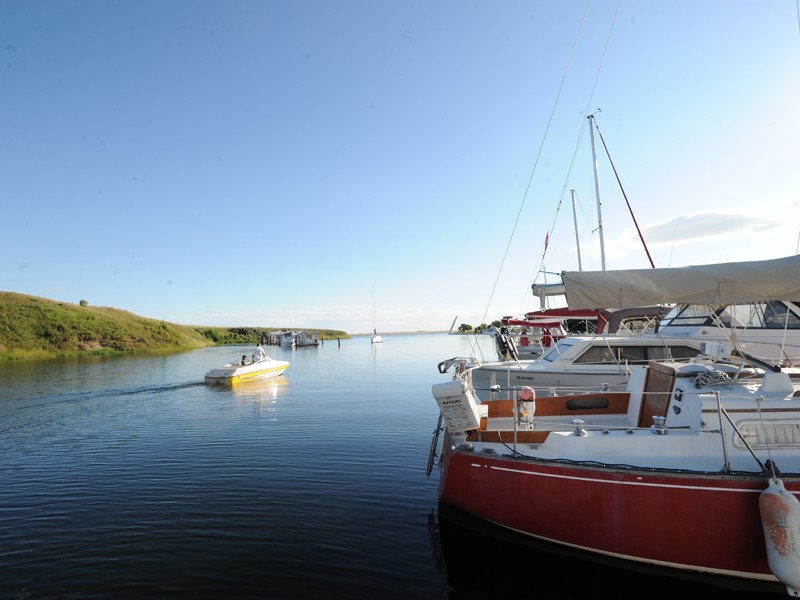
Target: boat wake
[[79, 396]]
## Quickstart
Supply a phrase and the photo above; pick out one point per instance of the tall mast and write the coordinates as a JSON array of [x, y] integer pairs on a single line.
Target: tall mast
[[597, 193], [577, 238]]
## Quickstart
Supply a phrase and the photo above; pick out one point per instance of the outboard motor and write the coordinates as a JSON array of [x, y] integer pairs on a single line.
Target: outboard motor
[[506, 348]]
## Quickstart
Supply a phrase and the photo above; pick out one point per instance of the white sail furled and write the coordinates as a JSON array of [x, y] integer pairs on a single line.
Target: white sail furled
[[724, 283]]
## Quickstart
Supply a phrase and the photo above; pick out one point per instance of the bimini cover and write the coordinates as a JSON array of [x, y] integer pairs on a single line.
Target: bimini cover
[[724, 283]]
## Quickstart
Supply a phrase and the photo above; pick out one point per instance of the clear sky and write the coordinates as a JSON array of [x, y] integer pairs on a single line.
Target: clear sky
[[272, 162]]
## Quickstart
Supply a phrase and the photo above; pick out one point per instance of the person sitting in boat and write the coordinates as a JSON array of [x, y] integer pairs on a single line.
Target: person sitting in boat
[[258, 353], [244, 359]]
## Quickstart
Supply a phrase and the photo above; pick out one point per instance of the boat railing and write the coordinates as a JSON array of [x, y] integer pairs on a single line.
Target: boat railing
[[516, 420]]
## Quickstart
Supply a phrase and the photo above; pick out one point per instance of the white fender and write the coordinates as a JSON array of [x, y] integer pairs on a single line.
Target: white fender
[[780, 518]]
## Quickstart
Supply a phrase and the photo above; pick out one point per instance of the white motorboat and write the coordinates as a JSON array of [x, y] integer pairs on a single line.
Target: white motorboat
[[581, 363], [298, 339], [750, 321], [535, 334], [306, 338], [236, 372]]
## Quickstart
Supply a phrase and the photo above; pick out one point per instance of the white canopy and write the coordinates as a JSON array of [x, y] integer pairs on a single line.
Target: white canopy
[[725, 283]]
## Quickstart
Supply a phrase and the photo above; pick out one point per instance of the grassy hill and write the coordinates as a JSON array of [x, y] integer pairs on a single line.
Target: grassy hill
[[33, 327]]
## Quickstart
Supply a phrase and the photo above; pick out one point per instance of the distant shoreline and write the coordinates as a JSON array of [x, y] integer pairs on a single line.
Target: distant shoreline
[[397, 333]]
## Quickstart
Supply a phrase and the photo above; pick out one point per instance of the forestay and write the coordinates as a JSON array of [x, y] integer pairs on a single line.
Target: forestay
[[724, 283]]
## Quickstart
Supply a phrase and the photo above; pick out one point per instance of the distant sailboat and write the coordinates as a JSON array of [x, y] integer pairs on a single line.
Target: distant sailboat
[[376, 338]]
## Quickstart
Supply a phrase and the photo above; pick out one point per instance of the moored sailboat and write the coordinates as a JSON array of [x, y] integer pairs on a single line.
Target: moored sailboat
[[376, 337], [690, 467]]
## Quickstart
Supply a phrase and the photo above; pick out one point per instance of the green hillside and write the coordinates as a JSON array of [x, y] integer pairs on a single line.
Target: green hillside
[[33, 327]]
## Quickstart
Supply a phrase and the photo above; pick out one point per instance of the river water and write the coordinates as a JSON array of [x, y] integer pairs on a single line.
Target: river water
[[128, 477]]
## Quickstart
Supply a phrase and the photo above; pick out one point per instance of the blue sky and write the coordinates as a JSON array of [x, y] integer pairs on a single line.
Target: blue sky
[[271, 163]]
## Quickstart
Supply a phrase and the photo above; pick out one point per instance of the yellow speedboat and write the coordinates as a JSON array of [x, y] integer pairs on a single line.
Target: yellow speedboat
[[236, 371]]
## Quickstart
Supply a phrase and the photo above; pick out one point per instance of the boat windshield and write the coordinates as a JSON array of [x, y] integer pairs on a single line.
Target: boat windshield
[[558, 350], [686, 314], [779, 315], [773, 314]]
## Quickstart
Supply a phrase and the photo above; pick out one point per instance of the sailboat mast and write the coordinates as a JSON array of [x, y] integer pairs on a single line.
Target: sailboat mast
[[597, 194], [577, 238]]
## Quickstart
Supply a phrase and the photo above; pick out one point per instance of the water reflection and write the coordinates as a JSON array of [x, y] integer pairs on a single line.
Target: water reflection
[[482, 560], [260, 396], [260, 390], [129, 477]]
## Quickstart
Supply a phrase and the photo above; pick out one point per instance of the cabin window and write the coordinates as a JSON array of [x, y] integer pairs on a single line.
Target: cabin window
[[676, 352], [634, 355], [613, 355], [556, 352], [597, 355]]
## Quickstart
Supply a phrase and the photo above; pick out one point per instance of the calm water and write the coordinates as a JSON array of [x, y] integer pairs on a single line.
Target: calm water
[[130, 478]]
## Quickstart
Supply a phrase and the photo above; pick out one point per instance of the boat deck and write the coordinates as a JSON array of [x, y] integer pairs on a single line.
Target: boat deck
[[596, 411]]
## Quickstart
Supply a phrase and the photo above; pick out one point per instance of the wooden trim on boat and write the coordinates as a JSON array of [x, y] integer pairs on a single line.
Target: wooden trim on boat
[[522, 437], [609, 403]]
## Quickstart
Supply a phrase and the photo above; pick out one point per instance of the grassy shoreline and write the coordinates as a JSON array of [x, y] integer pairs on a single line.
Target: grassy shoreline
[[37, 328]]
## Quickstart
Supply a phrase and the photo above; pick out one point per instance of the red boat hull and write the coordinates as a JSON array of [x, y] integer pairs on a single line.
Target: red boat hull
[[691, 522]]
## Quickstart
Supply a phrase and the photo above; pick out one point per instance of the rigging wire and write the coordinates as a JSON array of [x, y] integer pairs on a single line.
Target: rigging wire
[[624, 195], [578, 144], [538, 156]]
